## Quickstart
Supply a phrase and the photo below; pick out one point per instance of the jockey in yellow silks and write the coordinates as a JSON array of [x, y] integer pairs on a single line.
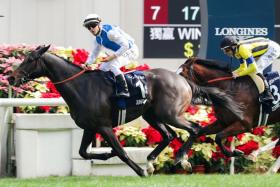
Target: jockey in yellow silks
[[254, 55]]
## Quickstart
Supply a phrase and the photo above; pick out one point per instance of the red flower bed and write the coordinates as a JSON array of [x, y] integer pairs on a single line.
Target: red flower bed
[[276, 151], [79, 56], [153, 136], [259, 131], [249, 147]]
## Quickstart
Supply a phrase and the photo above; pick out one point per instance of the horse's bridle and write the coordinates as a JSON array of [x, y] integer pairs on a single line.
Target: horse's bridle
[[27, 78]]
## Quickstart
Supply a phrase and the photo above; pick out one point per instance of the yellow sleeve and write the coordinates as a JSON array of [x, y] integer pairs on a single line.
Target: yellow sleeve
[[242, 67], [252, 68], [245, 51]]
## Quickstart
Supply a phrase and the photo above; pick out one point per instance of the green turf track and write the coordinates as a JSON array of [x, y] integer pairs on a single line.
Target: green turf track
[[154, 181]]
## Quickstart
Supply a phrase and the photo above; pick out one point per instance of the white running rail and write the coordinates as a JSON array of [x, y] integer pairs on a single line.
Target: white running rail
[[6, 127]]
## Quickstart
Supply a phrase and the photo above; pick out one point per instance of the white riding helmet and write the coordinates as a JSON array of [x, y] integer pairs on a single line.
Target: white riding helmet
[[91, 20]]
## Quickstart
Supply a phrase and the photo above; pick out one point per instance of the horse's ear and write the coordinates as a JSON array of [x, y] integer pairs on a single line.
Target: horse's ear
[[37, 48], [43, 49]]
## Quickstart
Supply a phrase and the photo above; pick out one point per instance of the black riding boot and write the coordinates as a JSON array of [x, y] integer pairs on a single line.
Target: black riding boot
[[266, 96], [123, 89]]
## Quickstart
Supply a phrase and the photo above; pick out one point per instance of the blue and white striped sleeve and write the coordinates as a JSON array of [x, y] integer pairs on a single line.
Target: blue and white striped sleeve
[[116, 36]]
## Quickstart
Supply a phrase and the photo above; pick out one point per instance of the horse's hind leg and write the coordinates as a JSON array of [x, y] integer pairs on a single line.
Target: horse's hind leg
[[108, 134], [167, 135], [88, 135]]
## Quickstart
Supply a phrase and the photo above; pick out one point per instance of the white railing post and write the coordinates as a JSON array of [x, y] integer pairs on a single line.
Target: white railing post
[[6, 134], [232, 159], [3, 140]]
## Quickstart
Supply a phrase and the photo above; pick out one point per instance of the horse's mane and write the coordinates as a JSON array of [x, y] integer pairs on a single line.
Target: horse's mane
[[65, 60], [96, 72], [209, 63]]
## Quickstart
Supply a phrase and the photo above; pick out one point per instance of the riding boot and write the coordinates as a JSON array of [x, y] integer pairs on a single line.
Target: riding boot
[[122, 90], [266, 96]]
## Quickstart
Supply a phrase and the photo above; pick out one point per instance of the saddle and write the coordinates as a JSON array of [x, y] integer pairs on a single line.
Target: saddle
[[273, 80]]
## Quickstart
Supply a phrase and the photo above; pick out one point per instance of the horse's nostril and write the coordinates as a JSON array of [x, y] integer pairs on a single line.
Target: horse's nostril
[[11, 80]]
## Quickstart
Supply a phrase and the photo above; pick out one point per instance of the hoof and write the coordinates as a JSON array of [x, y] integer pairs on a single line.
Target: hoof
[[186, 165], [143, 174], [178, 160], [150, 168]]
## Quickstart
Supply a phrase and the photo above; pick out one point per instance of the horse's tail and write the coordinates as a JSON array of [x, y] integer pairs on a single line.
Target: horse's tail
[[218, 98]]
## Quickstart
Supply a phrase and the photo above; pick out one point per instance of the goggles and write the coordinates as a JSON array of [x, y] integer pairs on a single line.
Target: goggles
[[226, 49], [91, 25]]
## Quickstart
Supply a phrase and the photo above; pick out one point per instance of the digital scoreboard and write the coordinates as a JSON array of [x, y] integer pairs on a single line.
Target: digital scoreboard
[[172, 28]]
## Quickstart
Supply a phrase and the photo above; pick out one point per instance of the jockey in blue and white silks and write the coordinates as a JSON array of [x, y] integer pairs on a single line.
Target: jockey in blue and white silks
[[116, 40]]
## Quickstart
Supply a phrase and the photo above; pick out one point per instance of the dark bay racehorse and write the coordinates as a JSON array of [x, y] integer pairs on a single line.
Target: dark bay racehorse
[[88, 97], [243, 90]]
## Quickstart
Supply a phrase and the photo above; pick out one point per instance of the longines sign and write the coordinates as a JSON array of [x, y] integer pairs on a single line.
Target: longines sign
[[253, 19], [241, 31]]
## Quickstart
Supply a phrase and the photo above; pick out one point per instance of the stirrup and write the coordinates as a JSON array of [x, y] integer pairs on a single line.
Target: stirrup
[[266, 99], [123, 94]]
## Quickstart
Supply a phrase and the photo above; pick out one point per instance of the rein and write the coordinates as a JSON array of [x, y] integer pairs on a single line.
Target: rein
[[56, 83], [211, 80], [71, 78], [219, 79]]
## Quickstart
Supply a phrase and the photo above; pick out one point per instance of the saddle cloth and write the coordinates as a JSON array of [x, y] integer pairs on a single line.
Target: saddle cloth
[[273, 80], [137, 86]]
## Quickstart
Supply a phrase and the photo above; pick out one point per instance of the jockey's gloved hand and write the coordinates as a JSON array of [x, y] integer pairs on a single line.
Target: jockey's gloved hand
[[235, 75], [86, 66]]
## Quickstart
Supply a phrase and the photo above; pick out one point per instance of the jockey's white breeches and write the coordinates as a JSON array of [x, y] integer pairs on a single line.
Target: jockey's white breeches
[[267, 58], [123, 60]]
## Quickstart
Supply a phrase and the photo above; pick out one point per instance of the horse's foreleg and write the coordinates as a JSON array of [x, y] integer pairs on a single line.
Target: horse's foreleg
[[88, 135], [184, 149], [167, 135], [165, 131], [108, 134], [193, 129], [232, 130], [181, 157]]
